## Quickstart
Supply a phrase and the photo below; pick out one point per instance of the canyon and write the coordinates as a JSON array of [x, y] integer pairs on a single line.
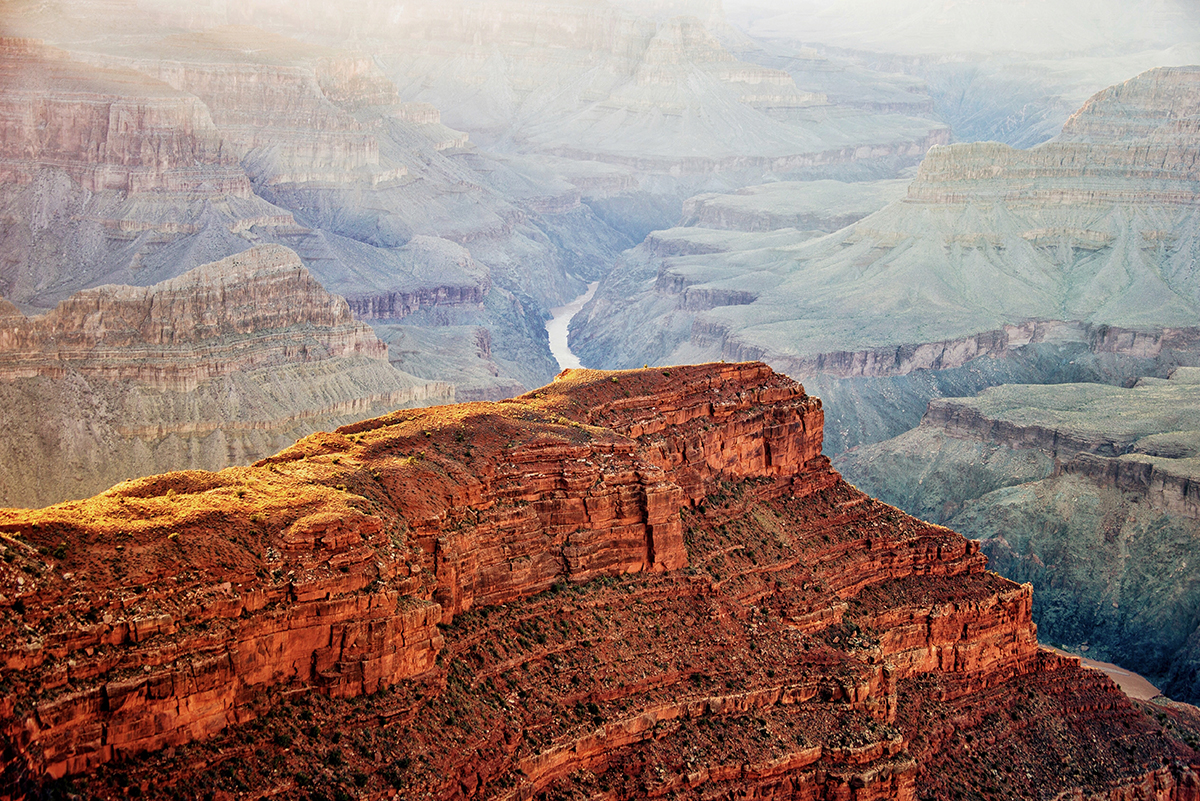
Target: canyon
[[624, 584], [1018, 255], [142, 141], [227, 228], [1085, 490]]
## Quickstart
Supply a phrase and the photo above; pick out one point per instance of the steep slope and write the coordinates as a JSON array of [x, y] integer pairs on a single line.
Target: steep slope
[[647, 583], [1087, 491], [223, 364], [323, 133]]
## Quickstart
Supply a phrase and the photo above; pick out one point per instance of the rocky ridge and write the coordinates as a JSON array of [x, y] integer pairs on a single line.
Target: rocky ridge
[[556, 78], [226, 362], [823, 206], [232, 315], [582, 548]]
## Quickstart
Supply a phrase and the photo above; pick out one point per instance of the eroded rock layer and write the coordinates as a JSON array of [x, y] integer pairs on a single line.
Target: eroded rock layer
[[992, 249], [232, 315], [1088, 491], [226, 363], [622, 585], [106, 128]]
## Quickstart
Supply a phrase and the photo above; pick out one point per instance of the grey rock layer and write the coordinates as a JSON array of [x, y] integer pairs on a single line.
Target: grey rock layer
[[1087, 491]]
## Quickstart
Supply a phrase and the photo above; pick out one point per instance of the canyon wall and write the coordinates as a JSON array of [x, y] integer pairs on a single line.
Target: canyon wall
[[225, 363], [1088, 491], [557, 77], [237, 314], [628, 583], [106, 128]]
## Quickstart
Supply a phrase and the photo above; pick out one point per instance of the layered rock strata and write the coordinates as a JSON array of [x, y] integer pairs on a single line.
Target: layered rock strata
[[228, 361], [1096, 228], [368, 190], [287, 108], [1086, 490], [102, 169], [258, 308], [106, 128], [648, 583]]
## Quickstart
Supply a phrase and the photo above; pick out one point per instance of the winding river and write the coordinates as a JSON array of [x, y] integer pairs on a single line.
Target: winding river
[[556, 327]]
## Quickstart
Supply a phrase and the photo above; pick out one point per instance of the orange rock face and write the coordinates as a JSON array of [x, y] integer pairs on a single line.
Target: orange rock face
[[624, 585]]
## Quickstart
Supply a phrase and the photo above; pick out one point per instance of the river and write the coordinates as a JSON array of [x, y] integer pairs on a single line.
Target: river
[[557, 328]]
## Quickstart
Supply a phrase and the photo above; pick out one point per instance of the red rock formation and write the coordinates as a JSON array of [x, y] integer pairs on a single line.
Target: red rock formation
[[649, 583]]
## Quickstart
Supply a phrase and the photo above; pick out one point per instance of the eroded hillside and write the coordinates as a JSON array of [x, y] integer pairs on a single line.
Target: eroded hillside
[[1087, 491], [620, 585]]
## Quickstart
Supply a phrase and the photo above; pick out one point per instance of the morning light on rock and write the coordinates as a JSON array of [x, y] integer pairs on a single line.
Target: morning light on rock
[[564, 400]]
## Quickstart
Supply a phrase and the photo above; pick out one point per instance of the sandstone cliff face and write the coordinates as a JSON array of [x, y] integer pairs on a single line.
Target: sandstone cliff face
[[584, 548], [102, 168], [227, 362], [320, 144], [106, 128]]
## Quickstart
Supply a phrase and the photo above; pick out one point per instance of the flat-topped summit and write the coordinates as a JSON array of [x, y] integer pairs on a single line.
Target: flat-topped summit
[[1135, 142]]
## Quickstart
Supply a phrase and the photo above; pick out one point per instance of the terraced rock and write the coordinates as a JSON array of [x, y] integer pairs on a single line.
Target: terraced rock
[[223, 364], [630, 584], [1087, 491]]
